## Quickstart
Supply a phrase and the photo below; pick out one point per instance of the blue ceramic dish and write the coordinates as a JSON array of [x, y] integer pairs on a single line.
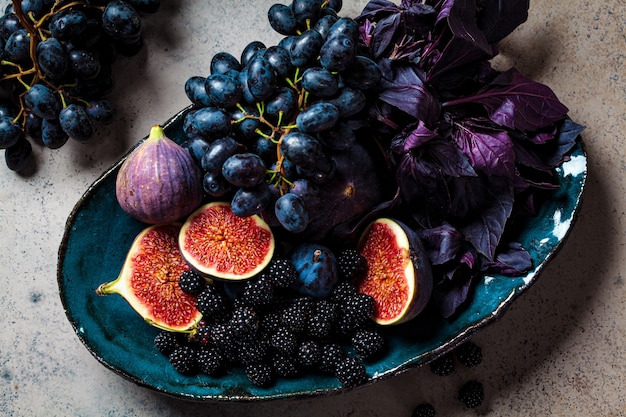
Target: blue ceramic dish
[[98, 235]]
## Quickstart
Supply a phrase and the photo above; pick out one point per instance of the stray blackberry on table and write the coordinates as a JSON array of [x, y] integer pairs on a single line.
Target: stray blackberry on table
[[471, 394], [424, 410], [443, 365], [469, 354]]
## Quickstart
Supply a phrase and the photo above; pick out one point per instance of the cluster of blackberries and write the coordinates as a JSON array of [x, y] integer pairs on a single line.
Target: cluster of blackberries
[[271, 331], [471, 394]]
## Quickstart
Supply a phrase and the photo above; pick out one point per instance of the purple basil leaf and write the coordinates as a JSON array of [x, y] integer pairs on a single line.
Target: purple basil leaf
[[486, 229], [467, 44], [489, 150], [513, 261], [384, 34], [454, 289], [444, 9], [442, 243], [419, 136], [403, 87], [498, 18], [450, 159], [516, 102], [565, 141], [375, 8]]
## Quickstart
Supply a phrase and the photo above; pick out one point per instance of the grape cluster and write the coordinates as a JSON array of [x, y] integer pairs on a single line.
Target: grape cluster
[[264, 126], [56, 68]]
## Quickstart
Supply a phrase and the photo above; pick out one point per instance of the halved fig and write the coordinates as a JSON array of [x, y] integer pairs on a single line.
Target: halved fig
[[149, 279], [399, 275], [219, 244]]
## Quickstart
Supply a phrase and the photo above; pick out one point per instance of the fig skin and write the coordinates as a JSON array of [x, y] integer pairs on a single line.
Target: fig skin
[[317, 270], [159, 182], [355, 189], [417, 272]]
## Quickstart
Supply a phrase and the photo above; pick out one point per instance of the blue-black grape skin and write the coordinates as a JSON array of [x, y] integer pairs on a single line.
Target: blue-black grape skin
[[211, 122], [291, 213], [84, 63], [261, 78], [305, 47], [250, 50], [42, 101], [101, 112], [324, 24], [320, 82], [278, 57], [284, 100], [363, 73], [244, 169], [52, 135], [250, 200], [317, 117], [9, 23], [344, 26], [349, 101], [67, 24], [223, 91], [222, 62], [76, 123], [9, 132], [337, 52], [217, 153], [17, 47], [196, 146], [52, 58], [282, 19], [215, 184], [121, 22], [196, 91], [304, 10], [19, 156]]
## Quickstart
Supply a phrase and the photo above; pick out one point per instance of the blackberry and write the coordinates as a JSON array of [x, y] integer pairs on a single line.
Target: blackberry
[[295, 316], [469, 354], [350, 372], [256, 293], [367, 342], [184, 359], [359, 306], [471, 394], [319, 326], [443, 365], [166, 342], [308, 353], [281, 273], [221, 335], [210, 301], [253, 351], [244, 322], [285, 365], [351, 264], [331, 354], [202, 334], [210, 360], [270, 321], [260, 374], [343, 290], [344, 326], [424, 410], [284, 341], [192, 283]]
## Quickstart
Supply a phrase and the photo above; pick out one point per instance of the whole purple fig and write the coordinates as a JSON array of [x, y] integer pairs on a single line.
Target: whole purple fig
[[159, 181]]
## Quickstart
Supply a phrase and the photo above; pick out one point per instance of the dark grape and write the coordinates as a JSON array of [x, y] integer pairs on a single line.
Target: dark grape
[[101, 112], [223, 91], [349, 101], [252, 200], [210, 122], [245, 127], [344, 26], [32, 126], [52, 58], [9, 23], [42, 101], [121, 22], [282, 19], [284, 101], [324, 24], [223, 62], [363, 73], [338, 52], [215, 184], [306, 10], [309, 193], [320, 82], [67, 24], [244, 169], [85, 64], [305, 48], [196, 146], [304, 151], [9, 132], [336, 5], [317, 117], [17, 47], [261, 78], [291, 213], [217, 153], [250, 50], [278, 57], [76, 123], [52, 135], [19, 156], [196, 91]]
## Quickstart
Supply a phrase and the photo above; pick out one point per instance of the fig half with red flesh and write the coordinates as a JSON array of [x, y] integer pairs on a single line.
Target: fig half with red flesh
[[219, 244], [149, 279], [398, 276]]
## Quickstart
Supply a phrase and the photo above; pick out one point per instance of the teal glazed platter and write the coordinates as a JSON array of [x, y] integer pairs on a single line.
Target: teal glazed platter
[[98, 235]]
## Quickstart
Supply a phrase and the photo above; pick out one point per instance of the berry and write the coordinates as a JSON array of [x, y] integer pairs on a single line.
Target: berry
[[184, 359], [424, 410], [285, 365], [284, 341], [469, 354], [253, 351], [191, 282], [210, 360], [351, 264], [244, 322], [319, 325], [331, 354], [282, 273], [367, 342], [443, 366], [308, 353], [166, 342], [210, 301], [350, 372], [257, 293], [260, 374], [295, 316], [471, 394], [359, 306], [343, 290]]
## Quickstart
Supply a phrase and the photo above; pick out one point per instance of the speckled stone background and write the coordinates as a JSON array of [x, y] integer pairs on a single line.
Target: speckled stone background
[[559, 350]]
